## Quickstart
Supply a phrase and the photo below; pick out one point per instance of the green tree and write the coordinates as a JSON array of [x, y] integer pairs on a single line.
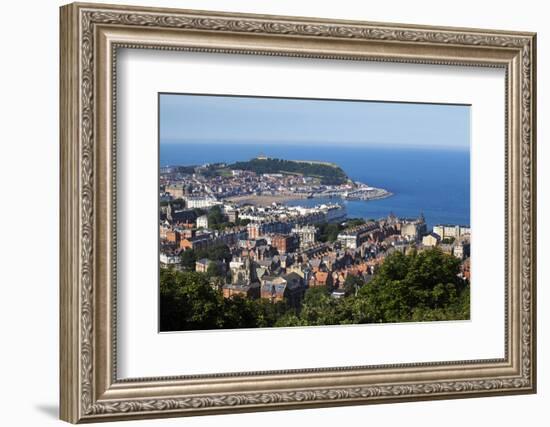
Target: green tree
[[186, 169], [243, 222], [239, 312], [289, 319], [328, 232], [319, 307], [352, 284], [178, 203], [332, 232], [267, 312], [409, 286], [188, 259], [213, 269], [352, 310], [354, 222], [215, 217], [218, 252], [316, 295], [188, 302]]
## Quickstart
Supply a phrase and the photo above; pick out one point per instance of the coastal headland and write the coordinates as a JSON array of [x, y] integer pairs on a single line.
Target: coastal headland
[[264, 180]]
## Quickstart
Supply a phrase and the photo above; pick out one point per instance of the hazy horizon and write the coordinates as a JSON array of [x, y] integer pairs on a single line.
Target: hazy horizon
[[166, 142], [186, 118]]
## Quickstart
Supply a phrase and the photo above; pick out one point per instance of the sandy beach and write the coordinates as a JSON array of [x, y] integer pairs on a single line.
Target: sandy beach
[[268, 199], [265, 200]]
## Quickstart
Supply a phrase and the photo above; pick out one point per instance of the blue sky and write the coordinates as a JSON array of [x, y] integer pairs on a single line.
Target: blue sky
[[251, 120]]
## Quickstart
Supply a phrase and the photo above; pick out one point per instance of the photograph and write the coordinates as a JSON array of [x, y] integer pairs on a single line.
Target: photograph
[[285, 212]]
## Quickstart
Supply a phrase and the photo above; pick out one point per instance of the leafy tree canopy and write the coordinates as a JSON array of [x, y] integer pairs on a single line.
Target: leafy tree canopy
[[328, 232], [187, 302], [218, 252], [188, 259], [215, 216], [213, 270], [354, 222]]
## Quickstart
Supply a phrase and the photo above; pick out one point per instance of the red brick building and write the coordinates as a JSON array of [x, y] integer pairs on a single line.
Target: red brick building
[[173, 236], [284, 244], [248, 290], [321, 278]]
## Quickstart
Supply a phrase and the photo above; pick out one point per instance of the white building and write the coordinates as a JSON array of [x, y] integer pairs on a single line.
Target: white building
[[306, 233], [349, 240], [462, 249], [414, 229], [202, 221], [352, 238], [455, 231], [169, 259], [201, 202], [431, 239]]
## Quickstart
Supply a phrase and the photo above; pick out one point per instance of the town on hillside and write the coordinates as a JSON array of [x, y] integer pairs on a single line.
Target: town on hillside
[[276, 252]]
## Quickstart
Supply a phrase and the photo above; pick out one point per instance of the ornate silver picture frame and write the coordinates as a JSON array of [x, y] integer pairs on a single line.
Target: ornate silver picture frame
[[91, 35]]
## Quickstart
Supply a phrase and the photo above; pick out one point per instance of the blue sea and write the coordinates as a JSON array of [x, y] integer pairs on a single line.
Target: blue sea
[[429, 181]]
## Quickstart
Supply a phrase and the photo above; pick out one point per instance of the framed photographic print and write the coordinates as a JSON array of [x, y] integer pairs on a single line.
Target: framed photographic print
[[265, 212]]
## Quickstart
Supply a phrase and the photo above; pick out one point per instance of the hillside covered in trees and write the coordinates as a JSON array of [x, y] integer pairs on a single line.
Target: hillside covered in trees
[[329, 174]]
